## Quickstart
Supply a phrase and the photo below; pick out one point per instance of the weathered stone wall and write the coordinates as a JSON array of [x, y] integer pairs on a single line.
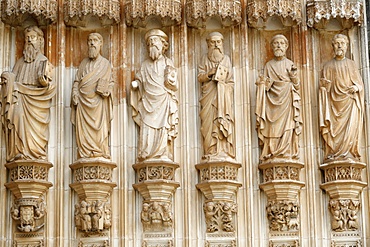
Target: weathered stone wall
[[247, 27]]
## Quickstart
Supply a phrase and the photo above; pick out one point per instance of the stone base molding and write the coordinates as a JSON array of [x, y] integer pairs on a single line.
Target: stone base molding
[[156, 184], [343, 183], [281, 183], [28, 182], [219, 185], [92, 181]]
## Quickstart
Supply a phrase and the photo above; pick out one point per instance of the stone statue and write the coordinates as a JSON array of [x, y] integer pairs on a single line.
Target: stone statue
[[279, 122], [92, 102], [341, 104], [26, 99], [154, 103], [217, 101]]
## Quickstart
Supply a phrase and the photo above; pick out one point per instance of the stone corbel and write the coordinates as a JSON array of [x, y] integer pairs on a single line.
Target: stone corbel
[[342, 182], [28, 184], [219, 185], [156, 184], [79, 13], [347, 12], [199, 11], [17, 12], [140, 12], [260, 11]]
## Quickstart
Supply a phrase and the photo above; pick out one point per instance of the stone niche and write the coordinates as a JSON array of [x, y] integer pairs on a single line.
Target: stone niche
[[17, 12], [79, 13]]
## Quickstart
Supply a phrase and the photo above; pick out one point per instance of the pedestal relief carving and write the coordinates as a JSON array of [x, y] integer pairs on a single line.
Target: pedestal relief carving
[[288, 11], [279, 125], [16, 12], [342, 167], [199, 11], [79, 13], [140, 12], [26, 95], [347, 12]]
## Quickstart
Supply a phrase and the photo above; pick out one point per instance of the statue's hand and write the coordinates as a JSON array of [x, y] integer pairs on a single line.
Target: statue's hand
[[324, 82], [134, 85], [212, 72], [353, 89], [75, 99], [44, 81]]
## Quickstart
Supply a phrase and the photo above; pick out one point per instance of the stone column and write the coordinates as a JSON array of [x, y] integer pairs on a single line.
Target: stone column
[[219, 185], [92, 181], [28, 182], [156, 184]]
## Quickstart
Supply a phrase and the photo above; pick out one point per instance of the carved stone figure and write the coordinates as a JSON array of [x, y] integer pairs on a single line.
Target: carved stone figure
[[283, 215], [217, 101], [278, 115], [92, 216], [92, 102], [341, 104], [26, 107], [344, 214], [155, 106]]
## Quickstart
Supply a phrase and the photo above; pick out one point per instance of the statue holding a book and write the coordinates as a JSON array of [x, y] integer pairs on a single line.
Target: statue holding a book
[[26, 94], [92, 102]]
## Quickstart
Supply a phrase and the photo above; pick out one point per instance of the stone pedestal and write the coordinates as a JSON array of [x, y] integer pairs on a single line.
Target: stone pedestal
[[92, 181], [156, 184], [282, 184], [342, 182], [219, 185], [28, 182]]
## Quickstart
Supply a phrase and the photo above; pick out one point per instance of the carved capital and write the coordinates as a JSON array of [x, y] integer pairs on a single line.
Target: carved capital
[[288, 11], [80, 12], [155, 170], [347, 12], [16, 12], [199, 11], [344, 214], [140, 12], [218, 171]]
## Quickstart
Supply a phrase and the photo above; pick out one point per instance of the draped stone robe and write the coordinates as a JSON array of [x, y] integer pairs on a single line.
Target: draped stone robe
[[28, 115], [217, 111], [278, 111], [341, 113], [155, 110], [93, 113]]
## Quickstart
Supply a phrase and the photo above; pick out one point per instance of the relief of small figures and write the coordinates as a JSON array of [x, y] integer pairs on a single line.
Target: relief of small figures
[[219, 216], [156, 216]]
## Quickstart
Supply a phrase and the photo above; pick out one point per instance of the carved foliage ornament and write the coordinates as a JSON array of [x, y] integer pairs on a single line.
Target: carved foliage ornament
[[287, 10], [93, 216], [220, 216], [283, 215], [344, 214], [197, 12], [138, 12], [76, 11], [320, 11], [342, 172], [15, 12], [29, 213]]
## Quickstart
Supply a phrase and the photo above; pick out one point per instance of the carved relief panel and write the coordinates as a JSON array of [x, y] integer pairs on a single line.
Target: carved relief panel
[[16, 12], [81, 12], [140, 12], [199, 11]]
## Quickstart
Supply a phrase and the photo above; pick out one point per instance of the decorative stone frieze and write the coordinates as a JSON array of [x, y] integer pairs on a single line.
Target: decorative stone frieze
[[218, 183], [347, 12], [199, 11], [294, 243], [260, 11], [37, 243], [209, 244], [156, 184], [28, 182], [16, 12], [140, 12], [80, 12]]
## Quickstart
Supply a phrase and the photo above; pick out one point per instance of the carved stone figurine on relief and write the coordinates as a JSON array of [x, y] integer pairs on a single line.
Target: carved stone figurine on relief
[[217, 101], [154, 103], [341, 104], [278, 114], [92, 102], [26, 95]]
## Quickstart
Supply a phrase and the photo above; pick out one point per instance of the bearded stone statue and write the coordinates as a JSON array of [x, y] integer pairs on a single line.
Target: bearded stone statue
[[215, 75]]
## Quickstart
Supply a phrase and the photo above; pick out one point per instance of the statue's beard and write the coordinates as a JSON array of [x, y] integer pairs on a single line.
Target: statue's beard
[[93, 52], [279, 53], [216, 55], [30, 52], [154, 52], [339, 52]]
